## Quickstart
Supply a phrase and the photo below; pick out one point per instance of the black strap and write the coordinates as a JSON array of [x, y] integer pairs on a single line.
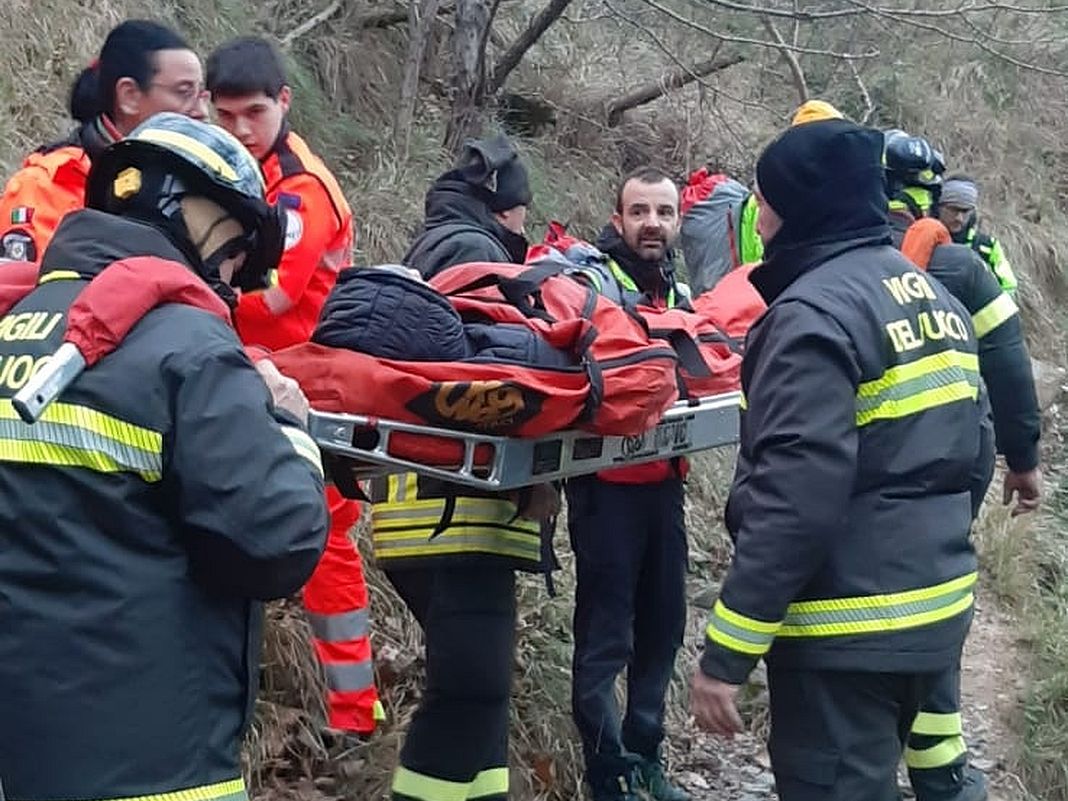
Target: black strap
[[336, 468], [447, 512], [689, 353]]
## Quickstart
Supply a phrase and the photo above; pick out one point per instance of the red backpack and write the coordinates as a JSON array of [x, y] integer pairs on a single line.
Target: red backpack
[[622, 383]]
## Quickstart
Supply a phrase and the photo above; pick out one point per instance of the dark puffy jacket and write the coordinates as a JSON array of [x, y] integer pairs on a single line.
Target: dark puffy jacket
[[391, 316], [861, 436], [459, 228], [144, 517]]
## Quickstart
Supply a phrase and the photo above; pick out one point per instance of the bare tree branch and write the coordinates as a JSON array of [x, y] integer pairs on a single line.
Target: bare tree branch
[[311, 23], [511, 57], [789, 57], [806, 15], [757, 42], [956, 37], [869, 106], [669, 80], [670, 53]]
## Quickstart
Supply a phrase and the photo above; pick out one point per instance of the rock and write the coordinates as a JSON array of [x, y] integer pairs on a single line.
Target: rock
[[695, 781], [1049, 382]]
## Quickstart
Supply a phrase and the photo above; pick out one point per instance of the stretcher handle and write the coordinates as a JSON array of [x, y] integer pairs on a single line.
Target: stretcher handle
[[58, 373]]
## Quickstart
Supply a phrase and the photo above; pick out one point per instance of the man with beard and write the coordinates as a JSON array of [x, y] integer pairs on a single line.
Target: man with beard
[[629, 538]]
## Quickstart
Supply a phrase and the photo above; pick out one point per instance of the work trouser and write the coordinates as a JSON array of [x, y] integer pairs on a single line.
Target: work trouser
[[630, 613], [937, 753], [456, 746], [335, 600], [838, 735]]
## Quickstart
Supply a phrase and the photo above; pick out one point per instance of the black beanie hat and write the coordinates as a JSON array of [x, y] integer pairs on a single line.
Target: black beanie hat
[[825, 180], [493, 166]]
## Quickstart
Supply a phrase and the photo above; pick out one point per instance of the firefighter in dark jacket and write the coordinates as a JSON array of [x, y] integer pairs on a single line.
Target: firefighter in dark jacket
[[452, 552], [155, 504], [937, 756], [628, 532], [861, 433]]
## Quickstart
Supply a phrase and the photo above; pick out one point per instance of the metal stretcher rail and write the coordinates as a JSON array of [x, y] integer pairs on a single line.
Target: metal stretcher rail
[[503, 463]]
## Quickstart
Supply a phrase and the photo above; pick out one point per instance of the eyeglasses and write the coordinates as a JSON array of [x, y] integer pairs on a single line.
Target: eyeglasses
[[188, 93]]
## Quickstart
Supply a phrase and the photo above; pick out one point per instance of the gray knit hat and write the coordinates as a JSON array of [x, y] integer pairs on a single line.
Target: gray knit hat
[[961, 192]]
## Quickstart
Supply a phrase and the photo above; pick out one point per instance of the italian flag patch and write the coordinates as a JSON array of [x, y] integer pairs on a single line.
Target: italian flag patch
[[21, 215]]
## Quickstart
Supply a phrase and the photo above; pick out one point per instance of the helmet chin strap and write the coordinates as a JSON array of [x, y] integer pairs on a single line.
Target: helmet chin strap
[[213, 261]]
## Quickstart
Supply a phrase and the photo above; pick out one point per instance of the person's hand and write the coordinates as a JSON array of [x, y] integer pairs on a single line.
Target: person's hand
[[542, 503], [712, 704], [1027, 487], [285, 392]]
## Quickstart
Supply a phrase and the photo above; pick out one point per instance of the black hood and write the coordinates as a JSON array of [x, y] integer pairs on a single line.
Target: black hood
[[453, 200], [825, 181], [654, 277], [774, 275], [88, 240]]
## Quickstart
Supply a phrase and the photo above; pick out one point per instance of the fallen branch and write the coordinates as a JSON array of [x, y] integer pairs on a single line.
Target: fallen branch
[[312, 23], [673, 79], [511, 57]]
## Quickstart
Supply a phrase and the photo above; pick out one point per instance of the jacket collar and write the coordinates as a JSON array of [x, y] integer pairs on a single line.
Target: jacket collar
[[452, 200], [656, 278], [88, 240], [775, 275]]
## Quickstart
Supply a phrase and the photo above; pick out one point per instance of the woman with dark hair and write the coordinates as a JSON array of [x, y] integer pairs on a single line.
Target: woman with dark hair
[[143, 68]]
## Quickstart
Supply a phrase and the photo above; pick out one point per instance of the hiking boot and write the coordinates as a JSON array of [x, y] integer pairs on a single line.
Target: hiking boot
[[615, 788], [955, 783], [653, 780]]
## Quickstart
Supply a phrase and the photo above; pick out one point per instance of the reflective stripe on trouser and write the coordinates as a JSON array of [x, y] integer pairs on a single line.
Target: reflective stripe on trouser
[[456, 746], [232, 790], [936, 742], [335, 599], [406, 526]]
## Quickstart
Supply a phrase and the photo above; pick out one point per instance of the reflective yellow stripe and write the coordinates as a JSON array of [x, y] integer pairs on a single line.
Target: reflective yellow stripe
[[743, 404], [620, 274], [938, 724], [378, 711], [192, 146], [489, 782], [58, 275], [939, 756], [993, 314], [879, 613], [916, 386], [305, 446], [70, 435], [427, 788], [233, 790], [740, 633]]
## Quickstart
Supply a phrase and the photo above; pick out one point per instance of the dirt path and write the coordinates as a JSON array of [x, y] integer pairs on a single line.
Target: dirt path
[[717, 770]]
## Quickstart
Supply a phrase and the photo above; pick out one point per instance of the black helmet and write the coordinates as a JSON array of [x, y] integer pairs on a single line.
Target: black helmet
[[912, 160], [171, 156]]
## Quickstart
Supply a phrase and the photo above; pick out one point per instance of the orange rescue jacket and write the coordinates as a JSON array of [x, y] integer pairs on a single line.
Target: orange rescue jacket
[[319, 241]]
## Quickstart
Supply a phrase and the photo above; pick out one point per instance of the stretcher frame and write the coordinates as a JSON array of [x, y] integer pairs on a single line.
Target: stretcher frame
[[362, 444]]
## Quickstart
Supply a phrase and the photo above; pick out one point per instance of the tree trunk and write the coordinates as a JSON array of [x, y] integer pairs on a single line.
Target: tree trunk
[[472, 21], [421, 14]]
